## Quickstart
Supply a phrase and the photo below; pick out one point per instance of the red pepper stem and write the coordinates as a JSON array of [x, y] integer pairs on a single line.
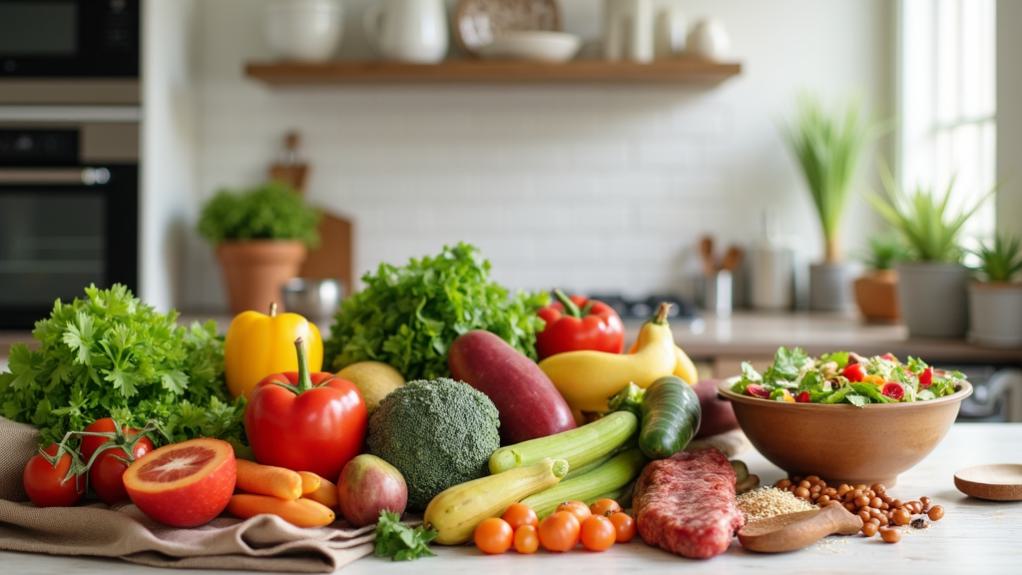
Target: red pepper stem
[[570, 308], [304, 381]]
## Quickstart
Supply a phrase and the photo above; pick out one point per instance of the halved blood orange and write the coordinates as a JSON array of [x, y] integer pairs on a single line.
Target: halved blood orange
[[184, 484]]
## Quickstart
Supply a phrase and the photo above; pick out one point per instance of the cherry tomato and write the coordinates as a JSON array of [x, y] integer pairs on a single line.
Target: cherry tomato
[[493, 536], [526, 539], [604, 507], [893, 390], [926, 377], [45, 484], [598, 533], [624, 525], [854, 372], [518, 514], [107, 471], [803, 397], [577, 508], [559, 531]]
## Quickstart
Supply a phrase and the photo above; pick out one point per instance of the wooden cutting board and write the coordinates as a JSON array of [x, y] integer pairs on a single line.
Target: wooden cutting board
[[333, 257]]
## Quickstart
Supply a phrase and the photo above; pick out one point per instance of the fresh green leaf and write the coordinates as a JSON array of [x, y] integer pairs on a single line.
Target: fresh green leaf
[[838, 357], [400, 542], [787, 366], [272, 211], [856, 399], [409, 316], [1001, 260], [109, 354]]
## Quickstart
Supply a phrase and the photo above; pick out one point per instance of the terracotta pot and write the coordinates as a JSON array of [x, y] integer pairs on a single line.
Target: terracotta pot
[[995, 314], [876, 294], [820, 439], [255, 271]]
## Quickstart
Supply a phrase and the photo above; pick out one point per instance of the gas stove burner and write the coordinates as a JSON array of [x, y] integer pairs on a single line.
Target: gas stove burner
[[645, 307]]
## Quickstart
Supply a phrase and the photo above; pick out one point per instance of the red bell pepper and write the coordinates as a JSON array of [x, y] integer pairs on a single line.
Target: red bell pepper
[[306, 422], [577, 323]]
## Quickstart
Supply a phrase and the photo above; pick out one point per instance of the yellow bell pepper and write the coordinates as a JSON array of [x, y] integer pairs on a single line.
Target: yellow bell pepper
[[874, 379], [587, 379], [258, 345], [786, 396]]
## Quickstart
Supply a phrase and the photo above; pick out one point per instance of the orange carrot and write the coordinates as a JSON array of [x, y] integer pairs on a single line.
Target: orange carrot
[[310, 482], [326, 494], [268, 480], [300, 512]]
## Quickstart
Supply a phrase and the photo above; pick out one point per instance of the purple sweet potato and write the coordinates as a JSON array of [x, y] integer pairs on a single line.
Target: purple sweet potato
[[529, 404], [718, 415]]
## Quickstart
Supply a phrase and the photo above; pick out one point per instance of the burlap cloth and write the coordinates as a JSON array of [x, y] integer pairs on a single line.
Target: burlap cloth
[[263, 543]]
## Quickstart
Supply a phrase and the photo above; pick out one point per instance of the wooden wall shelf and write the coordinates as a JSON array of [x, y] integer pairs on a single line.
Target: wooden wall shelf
[[681, 70]]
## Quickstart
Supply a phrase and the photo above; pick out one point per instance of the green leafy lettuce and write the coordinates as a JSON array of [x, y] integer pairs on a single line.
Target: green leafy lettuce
[[409, 316], [109, 354]]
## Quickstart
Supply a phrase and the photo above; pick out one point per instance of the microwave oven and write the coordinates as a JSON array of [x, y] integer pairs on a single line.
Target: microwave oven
[[69, 39]]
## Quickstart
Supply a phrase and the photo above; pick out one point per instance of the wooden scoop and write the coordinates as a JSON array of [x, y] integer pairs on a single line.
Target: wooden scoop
[[797, 530]]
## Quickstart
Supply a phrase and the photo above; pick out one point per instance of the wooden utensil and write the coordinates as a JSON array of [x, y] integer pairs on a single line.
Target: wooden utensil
[[794, 531], [706, 253], [996, 482], [289, 170]]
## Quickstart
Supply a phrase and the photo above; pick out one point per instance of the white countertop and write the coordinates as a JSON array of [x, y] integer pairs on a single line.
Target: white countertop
[[974, 536]]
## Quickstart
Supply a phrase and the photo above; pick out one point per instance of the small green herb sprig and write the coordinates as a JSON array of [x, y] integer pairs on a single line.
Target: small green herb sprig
[[400, 542], [272, 211]]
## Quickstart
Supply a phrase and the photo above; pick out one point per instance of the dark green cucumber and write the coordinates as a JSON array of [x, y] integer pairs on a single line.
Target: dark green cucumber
[[670, 417]]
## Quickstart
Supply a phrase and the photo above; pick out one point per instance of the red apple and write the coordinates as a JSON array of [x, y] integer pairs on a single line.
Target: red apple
[[367, 486], [184, 484], [718, 415]]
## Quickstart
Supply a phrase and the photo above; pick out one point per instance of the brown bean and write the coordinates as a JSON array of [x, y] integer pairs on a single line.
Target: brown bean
[[869, 529], [936, 513], [877, 521], [804, 483], [878, 487], [813, 479], [823, 500], [890, 535], [924, 500], [830, 492], [869, 493], [843, 488], [783, 484], [864, 515], [902, 517], [802, 493], [860, 486], [849, 506], [861, 501], [896, 503], [885, 506], [875, 502]]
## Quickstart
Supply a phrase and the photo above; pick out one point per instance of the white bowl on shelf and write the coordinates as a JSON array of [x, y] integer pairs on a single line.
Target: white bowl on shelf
[[304, 30], [538, 45]]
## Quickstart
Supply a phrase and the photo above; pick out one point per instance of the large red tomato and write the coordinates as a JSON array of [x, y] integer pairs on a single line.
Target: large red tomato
[[46, 481], [306, 422]]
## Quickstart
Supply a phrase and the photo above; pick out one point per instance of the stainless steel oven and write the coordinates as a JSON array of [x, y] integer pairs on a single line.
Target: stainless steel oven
[[68, 213], [69, 51]]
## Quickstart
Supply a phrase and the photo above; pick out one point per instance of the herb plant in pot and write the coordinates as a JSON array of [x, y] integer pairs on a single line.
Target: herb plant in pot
[[261, 235], [932, 282], [876, 291], [995, 302], [828, 149]]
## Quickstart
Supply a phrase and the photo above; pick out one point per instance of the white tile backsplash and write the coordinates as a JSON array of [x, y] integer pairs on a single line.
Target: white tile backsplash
[[590, 187]]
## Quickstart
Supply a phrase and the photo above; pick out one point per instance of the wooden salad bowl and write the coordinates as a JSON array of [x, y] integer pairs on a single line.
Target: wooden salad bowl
[[841, 442]]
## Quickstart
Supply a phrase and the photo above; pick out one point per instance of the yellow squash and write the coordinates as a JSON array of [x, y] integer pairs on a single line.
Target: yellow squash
[[258, 345], [587, 379], [456, 511]]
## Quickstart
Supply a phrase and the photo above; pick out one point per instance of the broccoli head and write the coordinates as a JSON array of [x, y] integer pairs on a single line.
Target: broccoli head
[[438, 433]]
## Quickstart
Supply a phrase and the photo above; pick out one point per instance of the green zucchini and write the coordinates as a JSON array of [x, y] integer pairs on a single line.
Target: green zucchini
[[579, 446], [613, 475], [670, 417]]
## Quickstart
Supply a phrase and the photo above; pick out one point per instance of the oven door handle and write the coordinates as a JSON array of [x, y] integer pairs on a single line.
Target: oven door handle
[[78, 176]]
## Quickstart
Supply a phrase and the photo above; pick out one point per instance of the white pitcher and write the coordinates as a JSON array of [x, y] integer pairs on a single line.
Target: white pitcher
[[408, 30], [628, 30]]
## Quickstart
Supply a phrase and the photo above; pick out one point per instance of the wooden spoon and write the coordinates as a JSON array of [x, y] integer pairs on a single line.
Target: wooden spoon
[[798, 530]]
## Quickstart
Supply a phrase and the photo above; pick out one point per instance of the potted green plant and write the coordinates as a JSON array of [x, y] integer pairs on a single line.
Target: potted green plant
[[932, 282], [261, 235], [876, 291], [828, 149], [995, 301]]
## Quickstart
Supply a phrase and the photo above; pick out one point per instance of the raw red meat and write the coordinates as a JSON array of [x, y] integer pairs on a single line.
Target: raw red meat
[[687, 504]]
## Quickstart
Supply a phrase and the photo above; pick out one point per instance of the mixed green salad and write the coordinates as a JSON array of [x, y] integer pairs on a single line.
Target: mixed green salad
[[845, 377]]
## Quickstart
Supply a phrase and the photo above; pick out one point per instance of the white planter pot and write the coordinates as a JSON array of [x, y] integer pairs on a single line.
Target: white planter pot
[[995, 314], [830, 287], [933, 300]]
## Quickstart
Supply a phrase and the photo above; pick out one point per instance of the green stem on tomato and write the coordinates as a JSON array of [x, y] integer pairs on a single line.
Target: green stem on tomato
[[304, 381], [570, 307]]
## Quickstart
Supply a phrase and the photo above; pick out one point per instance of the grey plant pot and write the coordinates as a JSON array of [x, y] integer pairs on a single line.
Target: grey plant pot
[[830, 287], [933, 300], [995, 314]]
